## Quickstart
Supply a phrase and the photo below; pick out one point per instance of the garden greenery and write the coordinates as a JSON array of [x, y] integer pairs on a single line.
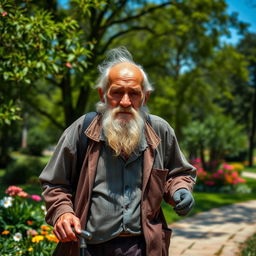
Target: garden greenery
[[23, 230]]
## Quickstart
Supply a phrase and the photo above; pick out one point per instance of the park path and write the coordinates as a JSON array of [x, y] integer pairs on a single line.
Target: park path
[[218, 232]]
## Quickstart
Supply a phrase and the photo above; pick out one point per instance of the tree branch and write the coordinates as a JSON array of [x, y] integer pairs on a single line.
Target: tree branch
[[142, 13], [46, 114], [110, 40]]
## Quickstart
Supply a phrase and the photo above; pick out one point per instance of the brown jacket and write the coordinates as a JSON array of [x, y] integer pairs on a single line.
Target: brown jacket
[[165, 171]]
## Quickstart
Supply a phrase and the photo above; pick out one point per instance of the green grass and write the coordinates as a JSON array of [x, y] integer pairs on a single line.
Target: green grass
[[250, 169], [207, 201]]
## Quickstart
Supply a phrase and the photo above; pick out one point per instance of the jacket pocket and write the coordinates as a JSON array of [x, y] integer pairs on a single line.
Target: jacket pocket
[[155, 190]]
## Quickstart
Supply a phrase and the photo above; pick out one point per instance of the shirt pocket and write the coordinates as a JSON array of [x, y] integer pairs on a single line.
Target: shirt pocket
[[155, 190]]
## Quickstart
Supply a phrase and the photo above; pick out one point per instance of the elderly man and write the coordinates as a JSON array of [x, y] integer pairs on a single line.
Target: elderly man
[[132, 162]]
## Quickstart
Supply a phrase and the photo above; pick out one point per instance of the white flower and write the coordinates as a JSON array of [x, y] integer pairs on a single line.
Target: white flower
[[17, 237], [43, 208], [6, 202]]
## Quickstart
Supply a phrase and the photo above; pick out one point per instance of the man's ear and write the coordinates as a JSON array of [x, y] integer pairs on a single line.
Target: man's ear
[[101, 95], [147, 94]]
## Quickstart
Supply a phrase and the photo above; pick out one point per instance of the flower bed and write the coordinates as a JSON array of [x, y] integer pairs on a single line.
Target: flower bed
[[23, 230], [227, 178]]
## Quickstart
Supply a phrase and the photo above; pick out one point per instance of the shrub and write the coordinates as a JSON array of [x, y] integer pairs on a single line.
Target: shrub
[[37, 142], [249, 247], [225, 179], [22, 227], [22, 169]]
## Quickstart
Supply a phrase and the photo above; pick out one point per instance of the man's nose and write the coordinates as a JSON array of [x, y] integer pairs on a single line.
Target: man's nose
[[125, 101]]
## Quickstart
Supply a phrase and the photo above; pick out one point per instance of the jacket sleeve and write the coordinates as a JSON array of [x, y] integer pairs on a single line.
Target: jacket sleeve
[[57, 177], [181, 173]]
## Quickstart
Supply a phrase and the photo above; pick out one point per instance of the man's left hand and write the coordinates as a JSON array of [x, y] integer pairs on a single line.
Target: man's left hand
[[184, 201]]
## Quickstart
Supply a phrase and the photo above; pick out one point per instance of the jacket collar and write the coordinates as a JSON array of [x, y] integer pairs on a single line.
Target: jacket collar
[[94, 132]]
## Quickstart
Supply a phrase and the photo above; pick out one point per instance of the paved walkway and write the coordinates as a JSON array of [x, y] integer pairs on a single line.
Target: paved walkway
[[217, 232]]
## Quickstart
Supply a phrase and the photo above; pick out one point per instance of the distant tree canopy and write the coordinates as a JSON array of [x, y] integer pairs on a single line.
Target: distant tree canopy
[[49, 57]]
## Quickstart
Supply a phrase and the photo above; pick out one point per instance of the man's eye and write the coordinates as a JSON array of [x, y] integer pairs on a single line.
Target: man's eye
[[134, 93], [117, 93]]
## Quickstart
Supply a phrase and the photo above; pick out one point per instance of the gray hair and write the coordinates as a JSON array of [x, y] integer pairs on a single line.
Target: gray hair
[[114, 57]]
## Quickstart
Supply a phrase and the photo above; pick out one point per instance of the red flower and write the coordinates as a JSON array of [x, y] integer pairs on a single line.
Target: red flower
[[68, 64], [4, 13]]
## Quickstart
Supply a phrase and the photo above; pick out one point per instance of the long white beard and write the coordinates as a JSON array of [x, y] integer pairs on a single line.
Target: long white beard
[[123, 136]]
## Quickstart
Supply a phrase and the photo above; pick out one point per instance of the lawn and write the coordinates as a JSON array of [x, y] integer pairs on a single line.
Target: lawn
[[207, 201]]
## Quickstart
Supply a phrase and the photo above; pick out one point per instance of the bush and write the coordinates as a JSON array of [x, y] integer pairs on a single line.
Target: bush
[[249, 247], [22, 169], [22, 227], [225, 179], [37, 142]]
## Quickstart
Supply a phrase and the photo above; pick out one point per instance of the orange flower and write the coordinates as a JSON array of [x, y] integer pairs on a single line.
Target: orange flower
[[45, 227], [44, 233], [5, 232], [29, 222], [52, 238]]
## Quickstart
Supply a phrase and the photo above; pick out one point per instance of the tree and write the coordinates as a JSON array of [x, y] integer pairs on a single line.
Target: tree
[[247, 47], [218, 136], [186, 59], [29, 50]]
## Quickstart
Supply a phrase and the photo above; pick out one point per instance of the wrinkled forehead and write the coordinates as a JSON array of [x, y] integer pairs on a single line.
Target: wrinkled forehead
[[125, 71]]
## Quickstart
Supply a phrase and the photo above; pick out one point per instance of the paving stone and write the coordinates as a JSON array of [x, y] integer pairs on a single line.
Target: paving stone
[[219, 231]]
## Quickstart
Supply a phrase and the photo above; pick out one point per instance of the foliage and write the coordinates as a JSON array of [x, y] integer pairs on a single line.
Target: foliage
[[249, 247], [22, 227], [35, 46], [22, 169], [227, 178], [188, 63], [37, 141], [218, 135]]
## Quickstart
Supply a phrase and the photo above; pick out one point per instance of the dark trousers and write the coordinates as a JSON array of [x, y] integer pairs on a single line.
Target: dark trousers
[[119, 246]]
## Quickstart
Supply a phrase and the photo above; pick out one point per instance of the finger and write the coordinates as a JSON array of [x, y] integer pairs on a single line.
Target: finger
[[77, 225], [186, 210], [176, 197], [184, 202], [68, 230], [60, 232], [57, 234]]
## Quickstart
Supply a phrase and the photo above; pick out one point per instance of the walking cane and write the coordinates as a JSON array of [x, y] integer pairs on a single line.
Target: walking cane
[[85, 235]]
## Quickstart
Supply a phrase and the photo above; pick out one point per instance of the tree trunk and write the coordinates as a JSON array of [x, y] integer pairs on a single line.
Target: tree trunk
[[253, 129]]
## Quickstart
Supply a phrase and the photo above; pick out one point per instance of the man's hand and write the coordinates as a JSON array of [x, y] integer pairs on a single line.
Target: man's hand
[[184, 201], [63, 227]]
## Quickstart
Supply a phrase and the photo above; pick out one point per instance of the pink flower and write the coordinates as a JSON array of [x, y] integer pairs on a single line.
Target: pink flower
[[234, 174], [228, 167], [22, 194], [220, 171], [215, 175], [31, 232], [209, 183], [4, 13], [36, 197], [68, 64], [13, 190]]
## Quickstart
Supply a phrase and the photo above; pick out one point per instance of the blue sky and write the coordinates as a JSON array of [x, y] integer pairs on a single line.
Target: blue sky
[[246, 10]]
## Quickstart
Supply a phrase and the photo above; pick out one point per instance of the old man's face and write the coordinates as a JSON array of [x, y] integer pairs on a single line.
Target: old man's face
[[125, 90], [122, 121]]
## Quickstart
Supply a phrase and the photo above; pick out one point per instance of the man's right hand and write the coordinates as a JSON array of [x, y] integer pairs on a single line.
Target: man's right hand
[[63, 227]]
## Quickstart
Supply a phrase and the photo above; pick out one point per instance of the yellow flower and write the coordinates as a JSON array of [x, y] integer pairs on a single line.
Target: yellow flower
[[30, 249], [37, 239], [52, 238], [5, 232], [45, 227]]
